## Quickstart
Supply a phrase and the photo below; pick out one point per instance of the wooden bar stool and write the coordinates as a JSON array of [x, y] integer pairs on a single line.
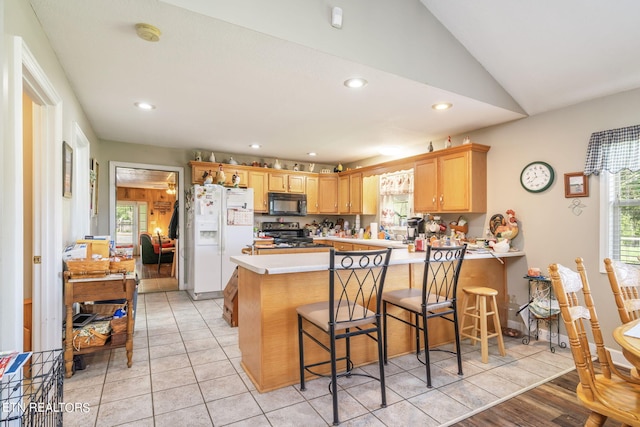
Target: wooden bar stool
[[475, 308]]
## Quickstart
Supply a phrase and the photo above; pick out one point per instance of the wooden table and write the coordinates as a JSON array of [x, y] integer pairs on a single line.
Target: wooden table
[[115, 286], [630, 345]]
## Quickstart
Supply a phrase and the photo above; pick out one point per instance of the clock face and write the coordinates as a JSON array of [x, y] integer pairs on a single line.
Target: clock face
[[537, 177]]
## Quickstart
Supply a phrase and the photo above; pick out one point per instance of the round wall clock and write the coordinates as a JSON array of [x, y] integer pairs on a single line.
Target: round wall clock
[[537, 177]]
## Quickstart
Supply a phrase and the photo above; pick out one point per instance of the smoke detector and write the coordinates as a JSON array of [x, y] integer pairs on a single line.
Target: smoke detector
[[148, 32]]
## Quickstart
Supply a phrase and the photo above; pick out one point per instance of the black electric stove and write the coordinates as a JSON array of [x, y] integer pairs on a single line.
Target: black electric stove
[[288, 234]]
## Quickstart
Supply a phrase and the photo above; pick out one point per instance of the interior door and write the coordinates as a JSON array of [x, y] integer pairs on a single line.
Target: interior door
[[131, 220]]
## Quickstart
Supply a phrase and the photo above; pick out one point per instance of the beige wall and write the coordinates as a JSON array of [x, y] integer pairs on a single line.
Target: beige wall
[[21, 21], [550, 232]]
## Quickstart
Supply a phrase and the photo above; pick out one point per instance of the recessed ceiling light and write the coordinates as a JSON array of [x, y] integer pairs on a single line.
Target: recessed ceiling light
[[255, 146], [355, 83], [145, 106], [312, 154], [442, 106]]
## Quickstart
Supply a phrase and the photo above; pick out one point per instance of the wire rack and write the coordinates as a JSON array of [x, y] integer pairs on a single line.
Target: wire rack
[[33, 396]]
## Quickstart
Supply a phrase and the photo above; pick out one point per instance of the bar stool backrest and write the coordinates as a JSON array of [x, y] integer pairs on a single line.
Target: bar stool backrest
[[440, 278], [356, 282]]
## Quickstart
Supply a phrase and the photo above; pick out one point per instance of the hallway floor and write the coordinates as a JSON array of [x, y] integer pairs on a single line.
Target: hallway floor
[[187, 371]]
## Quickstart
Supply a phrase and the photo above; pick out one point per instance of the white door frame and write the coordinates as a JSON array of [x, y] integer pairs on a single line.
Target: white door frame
[[24, 73], [180, 195]]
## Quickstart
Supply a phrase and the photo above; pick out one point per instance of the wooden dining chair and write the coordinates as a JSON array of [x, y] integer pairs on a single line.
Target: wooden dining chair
[[356, 282], [624, 280], [608, 393], [435, 298]]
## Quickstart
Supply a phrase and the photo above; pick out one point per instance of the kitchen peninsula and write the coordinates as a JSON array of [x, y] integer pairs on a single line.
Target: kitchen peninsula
[[271, 287]]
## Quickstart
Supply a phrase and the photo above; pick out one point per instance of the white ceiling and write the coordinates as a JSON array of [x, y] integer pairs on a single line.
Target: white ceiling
[[220, 86]]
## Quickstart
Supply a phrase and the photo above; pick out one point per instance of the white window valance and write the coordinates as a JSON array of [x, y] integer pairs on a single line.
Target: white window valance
[[613, 150]]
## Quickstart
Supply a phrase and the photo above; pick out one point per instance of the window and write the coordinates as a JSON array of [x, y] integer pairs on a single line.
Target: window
[[614, 154], [623, 215]]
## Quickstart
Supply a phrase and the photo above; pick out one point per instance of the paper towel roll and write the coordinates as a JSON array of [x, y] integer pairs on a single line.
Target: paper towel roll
[[374, 230]]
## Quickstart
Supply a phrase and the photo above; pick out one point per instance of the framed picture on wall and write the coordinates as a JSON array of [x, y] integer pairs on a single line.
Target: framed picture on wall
[[67, 169], [576, 184]]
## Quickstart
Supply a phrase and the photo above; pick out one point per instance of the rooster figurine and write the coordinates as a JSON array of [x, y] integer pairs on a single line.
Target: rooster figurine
[[509, 227]]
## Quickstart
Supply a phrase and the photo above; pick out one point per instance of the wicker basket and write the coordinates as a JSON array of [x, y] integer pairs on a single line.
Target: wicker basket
[[88, 267], [106, 309], [119, 325], [93, 335], [122, 265]]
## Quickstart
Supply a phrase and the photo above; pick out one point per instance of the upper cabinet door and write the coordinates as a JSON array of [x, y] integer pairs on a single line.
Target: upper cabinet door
[[259, 181], [312, 194], [296, 183], [425, 187], [328, 193], [454, 182], [278, 182]]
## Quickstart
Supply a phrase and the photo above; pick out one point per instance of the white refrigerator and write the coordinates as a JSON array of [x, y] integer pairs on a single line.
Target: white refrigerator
[[219, 225]]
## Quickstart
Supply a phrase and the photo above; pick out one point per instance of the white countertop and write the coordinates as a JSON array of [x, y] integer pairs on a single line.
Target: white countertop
[[319, 261]]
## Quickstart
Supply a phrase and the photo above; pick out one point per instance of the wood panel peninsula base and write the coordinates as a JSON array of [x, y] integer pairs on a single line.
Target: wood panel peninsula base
[[271, 287], [97, 289]]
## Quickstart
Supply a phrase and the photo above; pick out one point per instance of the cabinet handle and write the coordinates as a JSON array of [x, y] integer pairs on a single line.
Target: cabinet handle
[[442, 199]]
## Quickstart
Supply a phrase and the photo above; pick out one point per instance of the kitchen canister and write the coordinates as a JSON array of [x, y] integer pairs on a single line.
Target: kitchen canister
[[374, 230]]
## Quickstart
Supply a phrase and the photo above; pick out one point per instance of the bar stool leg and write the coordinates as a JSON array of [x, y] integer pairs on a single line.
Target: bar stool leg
[[483, 329], [498, 329]]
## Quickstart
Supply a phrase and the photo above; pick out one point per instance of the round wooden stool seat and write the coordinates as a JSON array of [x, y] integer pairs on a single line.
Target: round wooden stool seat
[[480, 304], [481, 290]]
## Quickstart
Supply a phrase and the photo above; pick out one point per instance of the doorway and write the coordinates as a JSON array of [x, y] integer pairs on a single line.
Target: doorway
[[143, 197], [131, 220]]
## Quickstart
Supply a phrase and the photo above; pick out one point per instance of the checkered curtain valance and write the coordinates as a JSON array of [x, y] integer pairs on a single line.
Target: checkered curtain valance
[[613, 150]]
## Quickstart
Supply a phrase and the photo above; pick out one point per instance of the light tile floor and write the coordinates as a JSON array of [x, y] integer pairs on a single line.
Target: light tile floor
[[186, 371]]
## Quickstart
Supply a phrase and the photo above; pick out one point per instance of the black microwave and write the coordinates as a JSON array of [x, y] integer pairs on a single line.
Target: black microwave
[[287, 204]]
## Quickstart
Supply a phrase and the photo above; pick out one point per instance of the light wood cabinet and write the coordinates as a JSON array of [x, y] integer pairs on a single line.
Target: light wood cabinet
[[455, 181], [370, 194], [259, 181], [328, 194], [312, 194], [350, 193], [342, 246], [425, 191], [230, 170], [282, 182]]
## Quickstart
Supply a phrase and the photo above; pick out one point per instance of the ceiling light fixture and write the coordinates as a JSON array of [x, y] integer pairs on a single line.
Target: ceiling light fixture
[[442, 106], [171, 188], [255, 146], [355, 83], [312, 154], [148, 32], [145, 106]]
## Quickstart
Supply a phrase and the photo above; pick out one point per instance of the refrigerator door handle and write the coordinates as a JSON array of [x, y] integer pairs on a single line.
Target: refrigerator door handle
[[221, 228]]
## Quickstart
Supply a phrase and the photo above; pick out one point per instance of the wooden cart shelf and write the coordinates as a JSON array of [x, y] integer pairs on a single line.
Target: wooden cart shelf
[[111, 287]]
